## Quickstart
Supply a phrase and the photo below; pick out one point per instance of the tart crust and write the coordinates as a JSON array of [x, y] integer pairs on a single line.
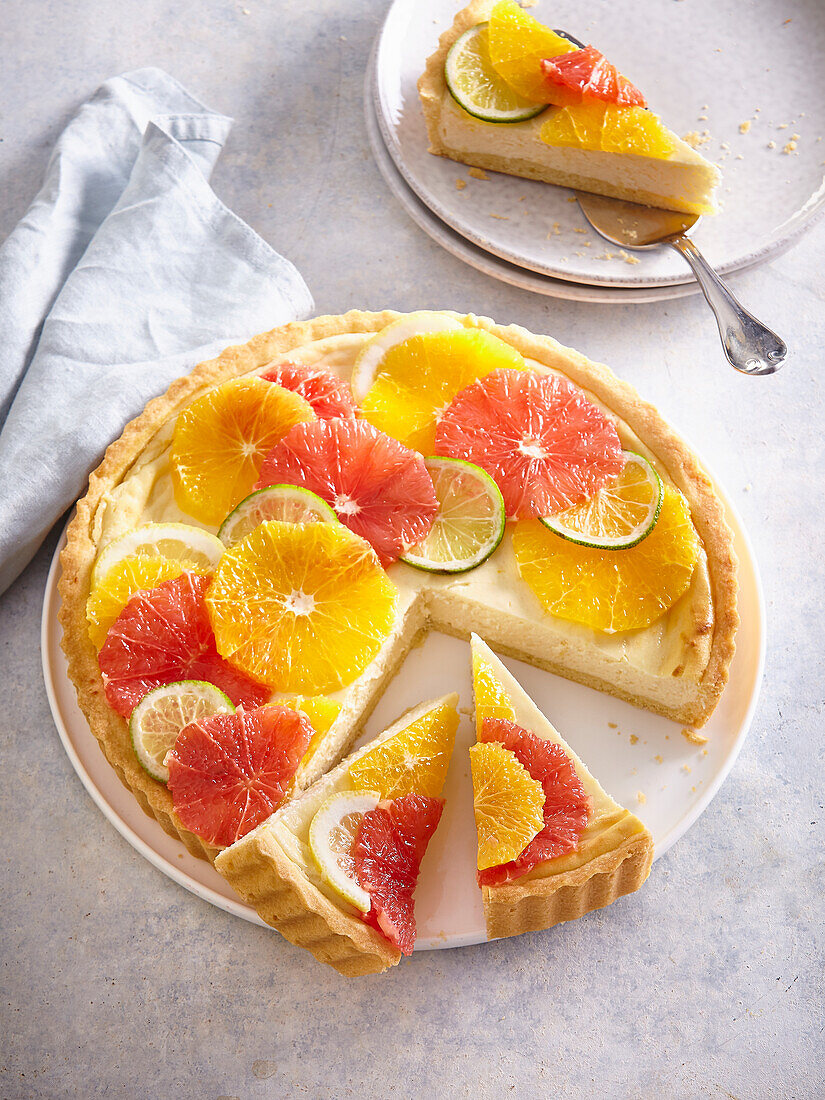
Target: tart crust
[[711, 631]]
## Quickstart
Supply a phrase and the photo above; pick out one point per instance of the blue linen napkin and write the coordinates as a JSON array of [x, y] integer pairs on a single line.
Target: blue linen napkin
[[124, 273]]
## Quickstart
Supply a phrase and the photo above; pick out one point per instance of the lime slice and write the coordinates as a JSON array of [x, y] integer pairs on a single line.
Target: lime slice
[[621, 513], [160, 716], [289, 503], [331, 836], [476, 86], [470, 520], [176, 541], [371, 355]]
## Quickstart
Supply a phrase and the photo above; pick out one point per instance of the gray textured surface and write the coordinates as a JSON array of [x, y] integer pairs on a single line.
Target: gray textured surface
[[116, 982]]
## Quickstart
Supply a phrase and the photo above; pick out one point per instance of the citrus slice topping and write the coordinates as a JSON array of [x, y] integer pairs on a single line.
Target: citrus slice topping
[[289, 503], [518, 45], [161, 715], [414, 760], [320, 710], [332, 835], [120, 583], [378, 488], [566, 804], [327, 394], [587, 74], [191, 546], [220, 441], [371, 356], [303, 607], [419, 378], [620, 514], [163, 635], [470, 521], [611, 590], [545, 445], [490, 697], [230, 772], [611, 129], [388, 850], [508, 804], [476, 86]]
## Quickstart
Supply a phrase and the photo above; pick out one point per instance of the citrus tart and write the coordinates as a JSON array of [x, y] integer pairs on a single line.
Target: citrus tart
[[553, 845], [505, 92], [265, 543]]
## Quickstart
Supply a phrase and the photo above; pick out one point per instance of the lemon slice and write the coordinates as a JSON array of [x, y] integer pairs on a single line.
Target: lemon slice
[[175, 541], [470, 521], [290, 503], [371, 355], [619, 515], [476, 86], [160, 716], [331, 836]]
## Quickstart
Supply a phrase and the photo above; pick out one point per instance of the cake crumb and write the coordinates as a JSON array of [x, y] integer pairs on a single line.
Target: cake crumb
[[771, 144], [571, 198], [694, 737], [634, 740], [745, 126], [739, 156], [628, 257], [460, 184], [500, 217], [702, 118], [782, 126], [704, 752], [479, 174], [612, 725], [578, 229], [686, 769], [587, 244], [641, 797], [606, 255], [658, 758], [694, 138], [787, 21], [521, 198], [528, 3], [789, 148]]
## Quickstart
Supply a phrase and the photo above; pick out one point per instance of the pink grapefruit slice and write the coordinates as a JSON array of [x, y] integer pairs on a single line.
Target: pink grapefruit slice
[[566, 803], [388, 849], [544, 444], [163, 635], [587, 74], [377, 487], [229, 772], [328, 395]]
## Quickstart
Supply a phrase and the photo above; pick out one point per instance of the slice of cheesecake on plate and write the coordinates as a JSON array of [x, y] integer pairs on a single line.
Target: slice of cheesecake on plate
[[553, 844], [504, 92]]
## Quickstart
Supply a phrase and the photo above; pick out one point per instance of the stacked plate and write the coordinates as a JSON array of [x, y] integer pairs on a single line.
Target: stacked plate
[[534, 236]]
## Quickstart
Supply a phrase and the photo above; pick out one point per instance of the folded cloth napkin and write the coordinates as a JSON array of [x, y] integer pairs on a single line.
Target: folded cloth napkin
[[124, 273]]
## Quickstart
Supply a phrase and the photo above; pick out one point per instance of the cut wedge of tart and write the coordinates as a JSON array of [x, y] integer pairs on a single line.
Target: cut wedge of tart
[[334, 869], [504, 92], [587, 852]]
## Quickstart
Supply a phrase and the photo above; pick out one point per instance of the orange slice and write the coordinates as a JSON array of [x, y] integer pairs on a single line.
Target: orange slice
[[491, 700], [321, 712], [306, 606], [220, 442], [518, 44], [508, 804], [414, 761], [611, 590], [126, 577], [610, 129]]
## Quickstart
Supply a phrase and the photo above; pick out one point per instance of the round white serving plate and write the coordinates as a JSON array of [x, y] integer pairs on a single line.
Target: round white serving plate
[[677, 779], [487, 262], [704, 66]]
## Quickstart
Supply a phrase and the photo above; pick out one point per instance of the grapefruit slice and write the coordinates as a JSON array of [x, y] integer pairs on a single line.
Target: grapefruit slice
[[377, 487], [566, 804], [587, 74], [163, 635], [327, 394], [544, 444], [388, 850], [229, 772]]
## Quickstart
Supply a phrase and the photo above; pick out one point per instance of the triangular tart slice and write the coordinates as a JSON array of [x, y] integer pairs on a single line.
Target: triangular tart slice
[[334, 869], [605, 851]]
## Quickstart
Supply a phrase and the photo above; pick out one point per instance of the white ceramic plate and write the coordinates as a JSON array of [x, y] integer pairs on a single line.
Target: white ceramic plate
[[678, 779], [704, 66], [487, 262]]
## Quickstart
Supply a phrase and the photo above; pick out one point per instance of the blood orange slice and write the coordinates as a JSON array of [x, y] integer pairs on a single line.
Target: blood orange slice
[[229, 772], [163, 635], [544, 444], [566, 803], [388, 850], [377, 487], [327, 394], [587, 74]]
